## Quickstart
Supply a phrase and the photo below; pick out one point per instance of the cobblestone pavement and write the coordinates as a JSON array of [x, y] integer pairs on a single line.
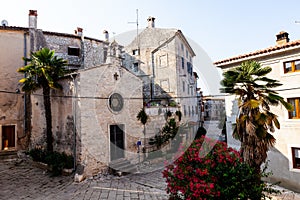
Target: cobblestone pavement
[[24, 181]]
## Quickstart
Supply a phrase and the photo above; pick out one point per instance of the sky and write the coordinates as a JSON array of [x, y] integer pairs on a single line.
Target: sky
[[222, 28]]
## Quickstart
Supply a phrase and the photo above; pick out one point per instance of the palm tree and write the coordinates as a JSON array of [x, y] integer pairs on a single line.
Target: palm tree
[[43, 72], [255, 122]]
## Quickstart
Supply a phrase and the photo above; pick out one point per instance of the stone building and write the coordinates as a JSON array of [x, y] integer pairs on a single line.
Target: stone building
[[93, 117], [213, 108], [163, 59], [284, 59]]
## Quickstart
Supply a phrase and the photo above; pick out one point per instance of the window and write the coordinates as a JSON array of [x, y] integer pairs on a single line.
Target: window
[[183, 86], [184, 110], [73, 51], [190, 68], [182, 48], [116, 102], [182, 62], [135, 67], [187, 53], [291, 66], [295, 113], [296, 157], [165, 85], [135, 52], [163, 60]]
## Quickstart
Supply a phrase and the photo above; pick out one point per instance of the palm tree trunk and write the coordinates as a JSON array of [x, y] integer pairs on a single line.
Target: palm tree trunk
[[48, 115], [27, 120]]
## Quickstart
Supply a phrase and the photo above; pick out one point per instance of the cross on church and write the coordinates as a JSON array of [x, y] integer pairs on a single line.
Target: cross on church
[[116, 76]]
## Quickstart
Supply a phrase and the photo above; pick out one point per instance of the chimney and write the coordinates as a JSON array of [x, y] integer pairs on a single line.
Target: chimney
[[151, 23], [282, 38], [33, 19], [79, 31], [106, 35]]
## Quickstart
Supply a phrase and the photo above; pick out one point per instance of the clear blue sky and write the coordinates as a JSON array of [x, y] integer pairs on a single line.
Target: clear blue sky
[[223, 28]]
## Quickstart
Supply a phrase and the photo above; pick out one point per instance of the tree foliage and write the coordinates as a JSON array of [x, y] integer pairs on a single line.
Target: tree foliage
[[210, 170], [43, 71], [255, 122]]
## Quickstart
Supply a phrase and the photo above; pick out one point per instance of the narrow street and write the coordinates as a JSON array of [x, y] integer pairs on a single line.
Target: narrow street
[[23, 181]]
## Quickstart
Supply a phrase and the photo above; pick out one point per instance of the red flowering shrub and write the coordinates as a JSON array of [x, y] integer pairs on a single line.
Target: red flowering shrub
[[210, 170]]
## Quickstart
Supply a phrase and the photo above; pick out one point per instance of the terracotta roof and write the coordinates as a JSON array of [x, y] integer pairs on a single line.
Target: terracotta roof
[[258, 52]]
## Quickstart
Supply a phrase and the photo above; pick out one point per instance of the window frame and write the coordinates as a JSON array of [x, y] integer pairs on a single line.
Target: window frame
[[135, 52], [295, 165], [73, 51], [293, 66], [297, 108], [135, 67]]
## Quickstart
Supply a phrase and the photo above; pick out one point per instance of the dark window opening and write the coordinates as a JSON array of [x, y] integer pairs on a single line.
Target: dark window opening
[[73, 51], [296, 157], [135, 52], [135, 67]]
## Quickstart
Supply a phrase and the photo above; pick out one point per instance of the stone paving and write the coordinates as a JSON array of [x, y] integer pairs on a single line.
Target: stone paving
[[21, 180]]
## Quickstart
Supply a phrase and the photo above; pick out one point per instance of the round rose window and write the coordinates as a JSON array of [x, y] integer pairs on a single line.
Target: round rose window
[[116, 102]]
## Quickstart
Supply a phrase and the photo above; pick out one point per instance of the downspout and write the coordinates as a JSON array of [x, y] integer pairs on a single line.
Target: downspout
[[27, 103], [152, 87]]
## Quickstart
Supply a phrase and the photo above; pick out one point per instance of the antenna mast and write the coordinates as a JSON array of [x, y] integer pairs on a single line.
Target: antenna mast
[[137, 29]]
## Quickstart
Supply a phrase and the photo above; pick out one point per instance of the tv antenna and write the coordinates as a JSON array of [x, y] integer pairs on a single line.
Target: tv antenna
[[137, 29]]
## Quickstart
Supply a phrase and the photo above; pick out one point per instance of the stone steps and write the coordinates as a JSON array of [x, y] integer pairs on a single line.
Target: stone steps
[[121, 166], [8, 155]]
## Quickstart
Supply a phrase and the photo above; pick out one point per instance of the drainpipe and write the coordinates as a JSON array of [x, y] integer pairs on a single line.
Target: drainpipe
[[25, 63], [27, 120]]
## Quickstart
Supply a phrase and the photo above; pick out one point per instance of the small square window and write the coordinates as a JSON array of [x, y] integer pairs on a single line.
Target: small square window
[[73, 51], [287, 67], [296, 157], [135, 52]]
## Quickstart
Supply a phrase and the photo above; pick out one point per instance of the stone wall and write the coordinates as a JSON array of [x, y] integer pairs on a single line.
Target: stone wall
[[95, 87], [62, 118], [12, 103]]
